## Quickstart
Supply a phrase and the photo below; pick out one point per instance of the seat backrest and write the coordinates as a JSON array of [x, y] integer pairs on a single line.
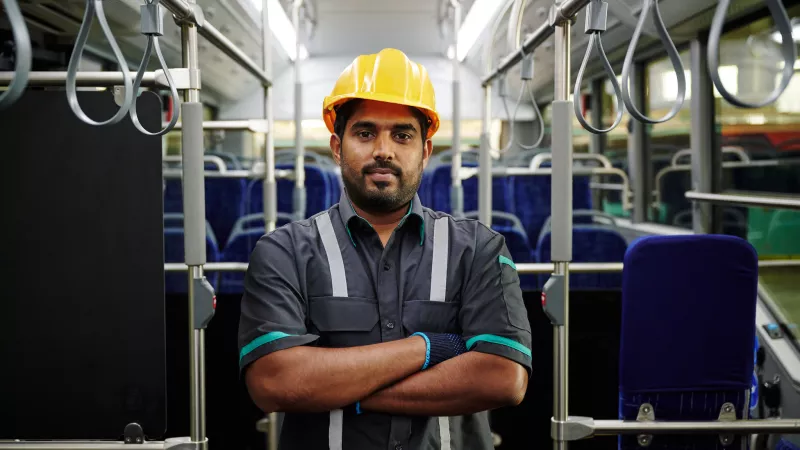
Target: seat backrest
[[590, 243], [177, 283], [531, 200], [319, 192], [688, 328]]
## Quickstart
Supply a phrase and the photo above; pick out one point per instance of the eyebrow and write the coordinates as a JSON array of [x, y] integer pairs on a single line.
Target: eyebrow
[[396, 127]]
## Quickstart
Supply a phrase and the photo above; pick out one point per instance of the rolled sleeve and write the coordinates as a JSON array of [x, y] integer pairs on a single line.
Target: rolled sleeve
[[273, 311], [493, 315]]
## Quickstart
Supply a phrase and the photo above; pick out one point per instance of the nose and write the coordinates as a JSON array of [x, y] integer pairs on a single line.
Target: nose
[[383, 148]]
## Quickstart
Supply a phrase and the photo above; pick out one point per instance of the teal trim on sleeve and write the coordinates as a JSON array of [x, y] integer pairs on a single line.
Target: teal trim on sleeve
[[508, 262], [261, 340], [500, 341]]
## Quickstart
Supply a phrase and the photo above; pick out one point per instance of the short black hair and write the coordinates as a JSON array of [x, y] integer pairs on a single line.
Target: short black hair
[[346, 110]]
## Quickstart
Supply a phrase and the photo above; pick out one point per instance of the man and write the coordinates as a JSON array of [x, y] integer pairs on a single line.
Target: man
[[380, 324]]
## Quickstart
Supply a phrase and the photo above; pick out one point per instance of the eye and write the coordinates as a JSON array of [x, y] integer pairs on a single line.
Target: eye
[[363, 134], [403, 136]]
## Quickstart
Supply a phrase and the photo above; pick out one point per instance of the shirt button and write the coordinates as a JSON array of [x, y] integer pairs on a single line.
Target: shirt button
[[398, 447], [390, 325], [387, 266]]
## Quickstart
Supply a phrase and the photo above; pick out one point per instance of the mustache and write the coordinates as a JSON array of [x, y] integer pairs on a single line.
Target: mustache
[[382, 164]]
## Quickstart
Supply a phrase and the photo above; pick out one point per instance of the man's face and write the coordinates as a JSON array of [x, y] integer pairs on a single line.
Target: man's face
[[382, 156]]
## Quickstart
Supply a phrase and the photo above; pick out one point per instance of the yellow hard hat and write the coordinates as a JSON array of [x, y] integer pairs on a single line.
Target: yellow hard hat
[[388, 76]]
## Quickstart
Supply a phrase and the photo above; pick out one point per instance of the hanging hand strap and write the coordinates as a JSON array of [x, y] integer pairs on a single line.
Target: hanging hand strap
[[674, 57], [75, 59], [22, 58], [788, 51], [153, 27], [596, 17]]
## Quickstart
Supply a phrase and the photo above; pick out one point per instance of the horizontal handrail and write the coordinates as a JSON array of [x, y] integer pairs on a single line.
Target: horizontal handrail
[[85, 79], [567, 9], [81, 445], [536, 162], [522, 268], [255, 125], [209, 267], [184, 11], [725, 165], [727, 149], [746, 200], [244, 174], [219, 162], [765, 426]]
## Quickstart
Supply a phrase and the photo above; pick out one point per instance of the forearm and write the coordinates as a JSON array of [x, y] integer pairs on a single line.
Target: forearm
[[466, 384], [312, 379]]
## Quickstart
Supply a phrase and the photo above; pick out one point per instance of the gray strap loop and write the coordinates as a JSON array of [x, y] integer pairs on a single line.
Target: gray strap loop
[[441, 244], [595, 37], [23, 57], [152, 42], [674, 56], [335, 262], [75, 59], [788, 50]]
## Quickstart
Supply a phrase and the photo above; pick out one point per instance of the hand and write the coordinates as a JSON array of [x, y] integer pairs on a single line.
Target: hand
[[441, 347]]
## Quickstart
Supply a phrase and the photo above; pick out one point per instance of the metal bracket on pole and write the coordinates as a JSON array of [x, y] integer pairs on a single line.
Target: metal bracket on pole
[[727, 414], [646, 413], [205, 302], [555, 17], [185, 443], [195, 16], [574, 429], [553, 296]]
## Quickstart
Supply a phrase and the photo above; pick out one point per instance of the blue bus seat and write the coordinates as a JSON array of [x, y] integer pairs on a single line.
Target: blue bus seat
[[177, 283], [438, 181], [246, 233], [687, 334], [531, 199], [319, 192], [593, 242], [511, 228], [224, 200]]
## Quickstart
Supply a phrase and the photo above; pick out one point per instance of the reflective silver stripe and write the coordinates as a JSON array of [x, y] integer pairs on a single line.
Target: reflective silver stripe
[[444, 433], [441, 243], [335, 430], [338, 277], [339, 287]]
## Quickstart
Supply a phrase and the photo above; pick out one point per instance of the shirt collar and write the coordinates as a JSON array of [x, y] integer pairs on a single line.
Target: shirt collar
[[349, 214]]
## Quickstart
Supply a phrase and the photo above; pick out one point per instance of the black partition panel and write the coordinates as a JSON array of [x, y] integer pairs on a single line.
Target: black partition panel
[[82, 339]]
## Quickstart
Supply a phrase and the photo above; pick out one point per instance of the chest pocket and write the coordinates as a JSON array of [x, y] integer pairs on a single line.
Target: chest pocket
[[431, 316], [344, 321]]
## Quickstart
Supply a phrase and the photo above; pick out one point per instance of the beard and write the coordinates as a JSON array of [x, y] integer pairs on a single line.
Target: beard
[[383, 198]]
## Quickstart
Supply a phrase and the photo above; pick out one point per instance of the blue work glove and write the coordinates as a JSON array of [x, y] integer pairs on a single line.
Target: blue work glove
[[441, 347]]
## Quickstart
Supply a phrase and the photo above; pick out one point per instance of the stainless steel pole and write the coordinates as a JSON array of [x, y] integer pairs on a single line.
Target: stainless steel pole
[[706, 152], [561, 251], [485, 162], [457, 190], [189, 41], [270, 186], [299, 164]]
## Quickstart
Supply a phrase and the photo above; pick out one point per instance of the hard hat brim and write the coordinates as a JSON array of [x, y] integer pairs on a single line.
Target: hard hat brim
[[331, 102]]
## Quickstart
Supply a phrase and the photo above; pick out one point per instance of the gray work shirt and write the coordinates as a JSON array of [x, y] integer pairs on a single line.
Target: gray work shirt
[[382, 294]]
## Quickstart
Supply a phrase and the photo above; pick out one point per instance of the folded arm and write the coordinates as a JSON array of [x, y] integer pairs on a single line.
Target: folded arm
[[466, 384], [311, 379]]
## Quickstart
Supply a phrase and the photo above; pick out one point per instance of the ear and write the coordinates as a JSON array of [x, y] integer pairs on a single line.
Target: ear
[[427, 149], [336, 149]]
